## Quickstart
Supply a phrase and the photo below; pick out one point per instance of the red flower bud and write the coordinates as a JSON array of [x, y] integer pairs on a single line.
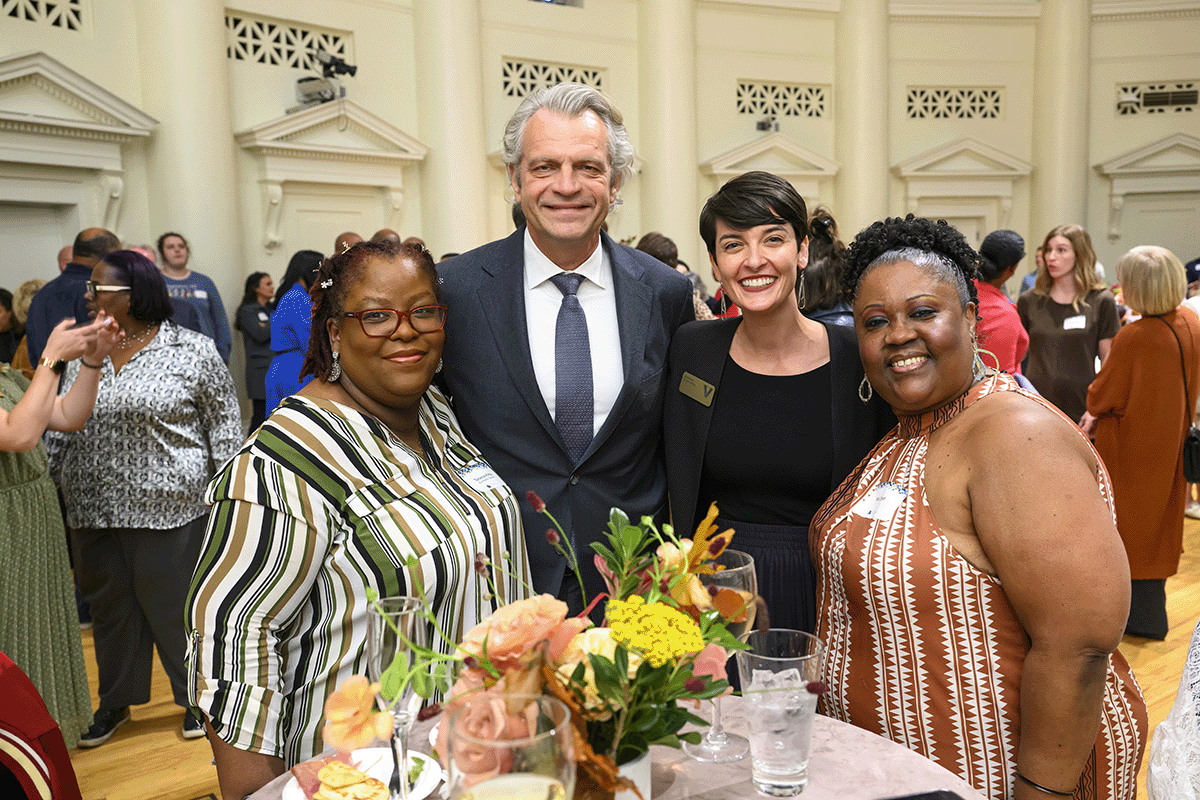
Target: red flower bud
[[538, 504], [552, 537], [694, 685], [429, 712], [470, 662], [817, 687], [481, 564], [713, 590], [716, 545]]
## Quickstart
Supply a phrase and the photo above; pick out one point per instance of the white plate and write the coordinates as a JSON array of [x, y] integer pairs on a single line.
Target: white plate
[[377, 763]]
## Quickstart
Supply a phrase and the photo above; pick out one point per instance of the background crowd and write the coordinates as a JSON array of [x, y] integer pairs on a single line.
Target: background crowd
[[856, 412]]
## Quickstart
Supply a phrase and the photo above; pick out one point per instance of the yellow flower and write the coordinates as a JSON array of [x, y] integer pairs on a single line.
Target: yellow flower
[[662, 633], [351, 721], [599, 642], [681, 566]]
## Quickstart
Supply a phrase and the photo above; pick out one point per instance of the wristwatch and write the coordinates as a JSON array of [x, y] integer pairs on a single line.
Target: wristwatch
[[58, 366]]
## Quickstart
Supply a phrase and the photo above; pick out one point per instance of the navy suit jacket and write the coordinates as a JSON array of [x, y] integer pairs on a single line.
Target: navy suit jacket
[[488, 372]]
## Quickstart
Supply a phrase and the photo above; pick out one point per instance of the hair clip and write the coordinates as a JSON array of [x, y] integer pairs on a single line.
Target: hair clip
[[325, 284]]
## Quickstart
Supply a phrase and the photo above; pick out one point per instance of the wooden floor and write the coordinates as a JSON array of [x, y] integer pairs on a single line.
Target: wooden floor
[[148, 759]]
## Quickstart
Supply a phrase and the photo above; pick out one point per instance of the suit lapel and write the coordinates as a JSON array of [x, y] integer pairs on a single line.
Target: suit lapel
[[633, 302], [503, 302]]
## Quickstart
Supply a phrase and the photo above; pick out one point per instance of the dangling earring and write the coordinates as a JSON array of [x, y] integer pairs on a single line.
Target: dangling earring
[[800, 293], [865, 390], [439, 366], [335, 371], [979, 369]]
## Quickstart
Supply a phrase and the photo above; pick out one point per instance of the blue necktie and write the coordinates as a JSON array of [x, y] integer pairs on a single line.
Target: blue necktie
[[573, 403]]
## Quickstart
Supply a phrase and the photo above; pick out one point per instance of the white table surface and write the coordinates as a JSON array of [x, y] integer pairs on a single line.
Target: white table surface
[[846, 763]]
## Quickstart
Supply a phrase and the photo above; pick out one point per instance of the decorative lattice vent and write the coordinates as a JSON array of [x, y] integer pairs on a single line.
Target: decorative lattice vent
[[65, 14], [1157, 98], [955, 102], [782, 99], [280, 44], [523, 77]]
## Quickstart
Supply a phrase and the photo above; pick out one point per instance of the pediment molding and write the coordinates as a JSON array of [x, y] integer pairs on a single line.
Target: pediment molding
[[779, 154], [962, 174], [1167, 165], [340, 130], [339, 143], [41, 96]]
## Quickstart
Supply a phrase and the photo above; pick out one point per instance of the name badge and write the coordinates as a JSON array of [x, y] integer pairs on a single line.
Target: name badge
[[262, 317], [200, 294], [700, 391], [480, 477], [882, 502], [1076, 323]]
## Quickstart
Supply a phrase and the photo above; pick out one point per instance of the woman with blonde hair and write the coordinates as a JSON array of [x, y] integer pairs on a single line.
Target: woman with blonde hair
[[1071, 318], [22, 297], [1138, 409]]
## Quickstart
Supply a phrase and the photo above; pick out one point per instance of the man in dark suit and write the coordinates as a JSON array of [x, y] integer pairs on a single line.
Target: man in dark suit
[[62, 297], [557, 337]]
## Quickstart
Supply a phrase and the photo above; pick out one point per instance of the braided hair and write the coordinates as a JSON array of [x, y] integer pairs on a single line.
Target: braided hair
[[332, 282], [936, 246]]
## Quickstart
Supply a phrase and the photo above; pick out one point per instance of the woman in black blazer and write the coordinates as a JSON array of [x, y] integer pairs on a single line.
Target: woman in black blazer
[[762, 414], [254, 321]]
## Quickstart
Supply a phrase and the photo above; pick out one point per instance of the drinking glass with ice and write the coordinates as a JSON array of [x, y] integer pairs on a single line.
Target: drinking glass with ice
[[776, 673]]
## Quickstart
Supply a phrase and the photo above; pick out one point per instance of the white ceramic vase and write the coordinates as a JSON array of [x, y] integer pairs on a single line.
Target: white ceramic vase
[[638, 771]]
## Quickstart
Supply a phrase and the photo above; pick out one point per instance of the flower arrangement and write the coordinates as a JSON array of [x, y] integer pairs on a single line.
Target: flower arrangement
[[664, 641]]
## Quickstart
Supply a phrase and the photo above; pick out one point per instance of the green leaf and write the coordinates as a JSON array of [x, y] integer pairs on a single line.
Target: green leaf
[[422, 683], [691, 737], [621, 660], [394, 678]]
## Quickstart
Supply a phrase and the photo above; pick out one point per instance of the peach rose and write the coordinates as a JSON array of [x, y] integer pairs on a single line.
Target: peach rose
[[599, 642], [710, 663], [485, 717], [472, 684], [351, 721], [514, 629]]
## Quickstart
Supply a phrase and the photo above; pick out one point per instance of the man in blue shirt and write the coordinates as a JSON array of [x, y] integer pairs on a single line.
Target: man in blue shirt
[[196, 289], [63, 297]]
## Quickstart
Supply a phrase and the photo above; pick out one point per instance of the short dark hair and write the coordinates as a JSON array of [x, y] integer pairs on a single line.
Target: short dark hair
[[751, 199], [341, 270], [914, 235], [1000, 250], [96, 246], [148, 298], [659, 246], [6, 300], [250, 295], [159, 244]]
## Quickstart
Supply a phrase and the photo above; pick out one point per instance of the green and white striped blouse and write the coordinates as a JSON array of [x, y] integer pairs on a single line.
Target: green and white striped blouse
[[321, 503]]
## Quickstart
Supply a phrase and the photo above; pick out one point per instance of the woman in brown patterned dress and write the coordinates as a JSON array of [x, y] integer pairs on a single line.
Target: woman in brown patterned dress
[[972, 586]]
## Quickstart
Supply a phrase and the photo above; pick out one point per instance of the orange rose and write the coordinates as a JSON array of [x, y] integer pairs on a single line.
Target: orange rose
[[351, 721], [513, 630], [486, 718]]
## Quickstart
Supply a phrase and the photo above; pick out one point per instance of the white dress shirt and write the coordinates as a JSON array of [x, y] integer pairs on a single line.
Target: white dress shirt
[[599, 301]]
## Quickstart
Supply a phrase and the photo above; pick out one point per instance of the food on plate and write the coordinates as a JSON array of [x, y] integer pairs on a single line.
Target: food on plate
[[340, 781]]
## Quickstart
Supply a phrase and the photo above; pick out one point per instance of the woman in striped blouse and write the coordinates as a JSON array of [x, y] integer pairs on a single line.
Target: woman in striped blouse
[[344, 486]]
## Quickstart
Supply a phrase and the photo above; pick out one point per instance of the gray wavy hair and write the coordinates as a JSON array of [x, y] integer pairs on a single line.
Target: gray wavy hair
[[571, 100]]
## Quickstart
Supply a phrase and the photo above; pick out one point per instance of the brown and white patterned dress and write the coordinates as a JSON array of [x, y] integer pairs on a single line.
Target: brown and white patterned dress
[[923, 647]]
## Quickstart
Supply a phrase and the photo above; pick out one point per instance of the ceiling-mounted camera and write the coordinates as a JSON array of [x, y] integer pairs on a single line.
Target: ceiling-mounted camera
[[332, 65]]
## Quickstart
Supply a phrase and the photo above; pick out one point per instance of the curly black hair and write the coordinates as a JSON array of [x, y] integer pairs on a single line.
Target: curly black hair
[[332, 282], [911, 233]]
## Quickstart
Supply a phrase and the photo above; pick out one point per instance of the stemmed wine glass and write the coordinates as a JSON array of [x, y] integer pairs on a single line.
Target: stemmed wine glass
[[392, 629], [738, 575]]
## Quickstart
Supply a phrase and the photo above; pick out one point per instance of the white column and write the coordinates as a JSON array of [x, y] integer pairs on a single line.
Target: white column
[[861, 117], [450, 92], [192, 177], [1060, 124], [669, 182]]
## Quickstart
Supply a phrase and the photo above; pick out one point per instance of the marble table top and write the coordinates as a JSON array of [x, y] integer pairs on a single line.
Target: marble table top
[[846, 763]]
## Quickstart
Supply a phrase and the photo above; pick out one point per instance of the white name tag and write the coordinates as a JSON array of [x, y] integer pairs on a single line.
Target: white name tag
[[263, 317], [480, 477], [1077, 323], [882, 502], [200, 293]]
